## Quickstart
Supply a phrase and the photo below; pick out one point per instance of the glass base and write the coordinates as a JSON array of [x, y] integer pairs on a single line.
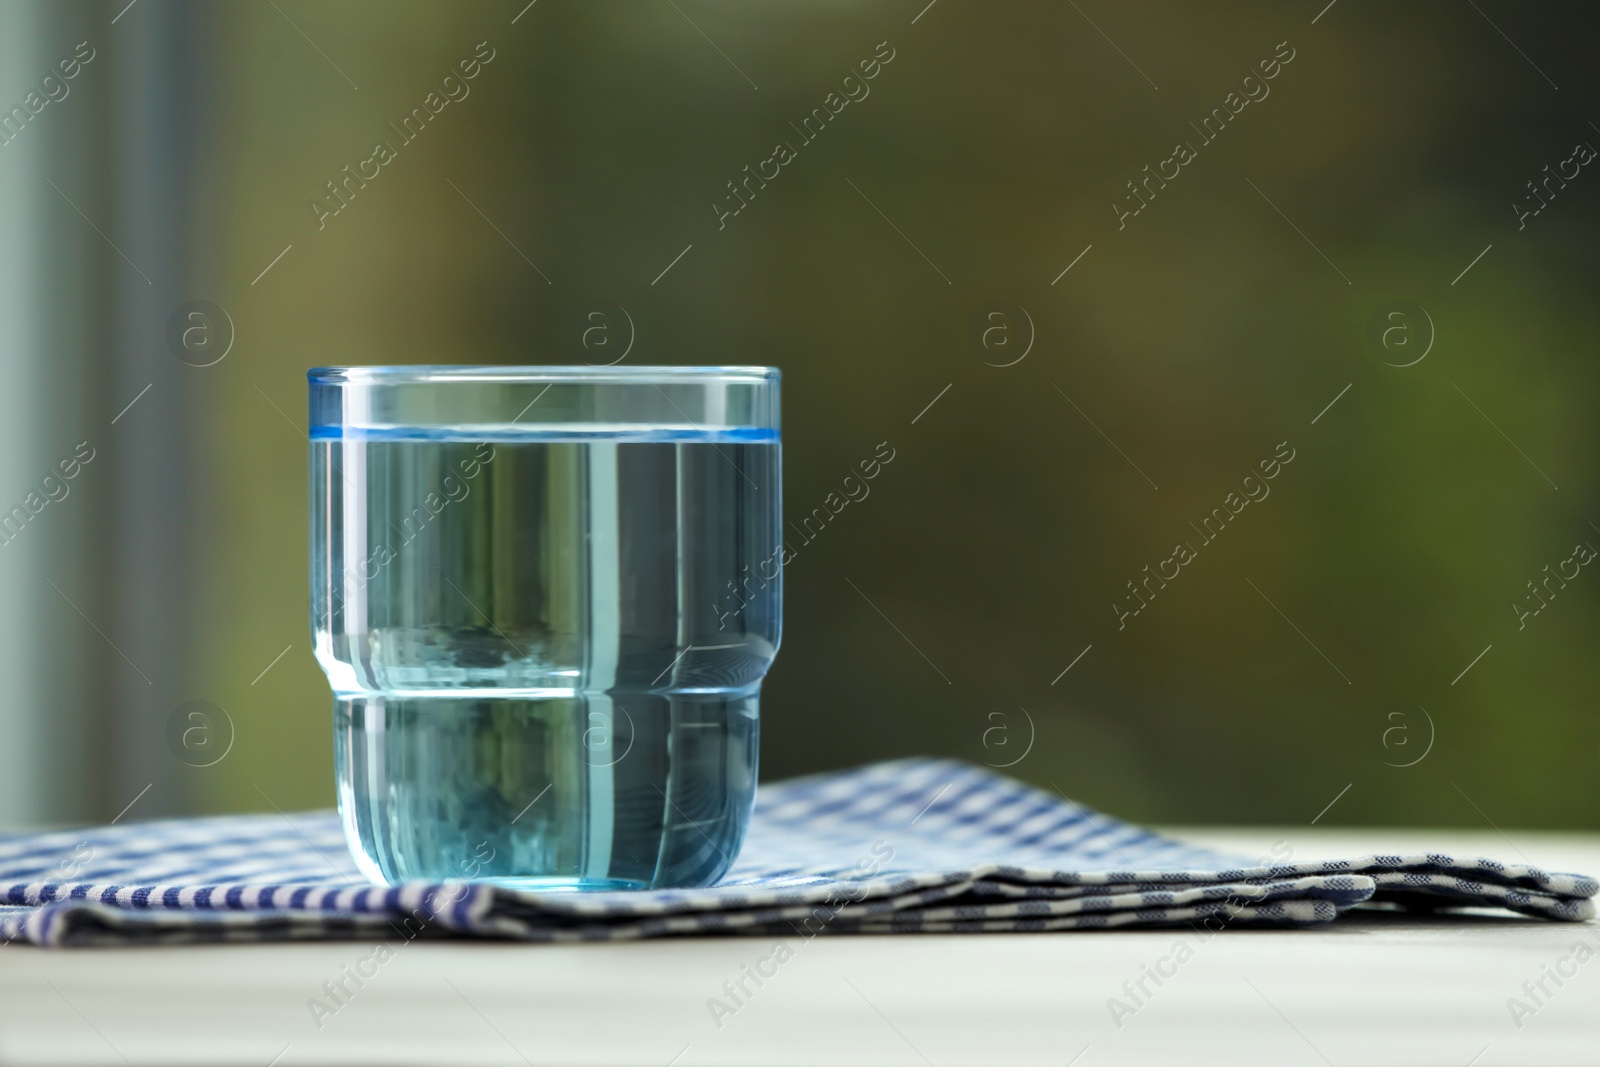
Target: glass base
[[589, 793], [564, 885]]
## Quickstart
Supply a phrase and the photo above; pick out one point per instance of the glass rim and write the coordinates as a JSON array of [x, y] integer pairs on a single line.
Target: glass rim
[[445, 373]]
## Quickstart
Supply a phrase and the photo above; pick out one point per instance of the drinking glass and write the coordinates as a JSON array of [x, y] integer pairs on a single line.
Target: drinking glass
[[545, 599]]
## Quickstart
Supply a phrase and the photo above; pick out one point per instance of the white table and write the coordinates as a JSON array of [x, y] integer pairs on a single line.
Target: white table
[[1374, 989]]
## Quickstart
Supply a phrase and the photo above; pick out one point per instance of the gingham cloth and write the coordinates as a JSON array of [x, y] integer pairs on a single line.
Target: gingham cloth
[[917, 845]]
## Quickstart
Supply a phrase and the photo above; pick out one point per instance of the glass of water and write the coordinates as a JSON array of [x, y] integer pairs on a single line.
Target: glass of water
[[545, 599]]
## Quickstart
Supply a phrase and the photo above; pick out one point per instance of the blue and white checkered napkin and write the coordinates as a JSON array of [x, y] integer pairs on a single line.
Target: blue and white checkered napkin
[[908, 846]]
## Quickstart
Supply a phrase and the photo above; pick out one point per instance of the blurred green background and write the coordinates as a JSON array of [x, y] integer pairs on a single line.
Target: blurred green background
[[1318, 642]]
